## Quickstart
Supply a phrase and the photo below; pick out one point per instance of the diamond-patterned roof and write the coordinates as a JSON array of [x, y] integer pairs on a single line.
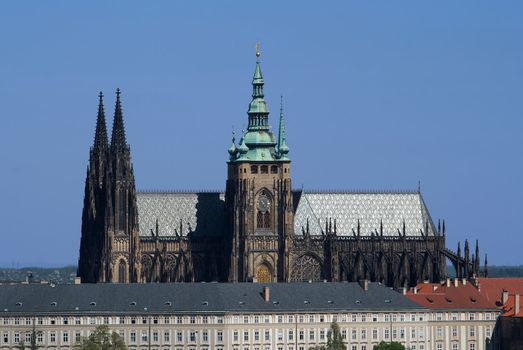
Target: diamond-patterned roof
[[203, 212], [199, 212], [369, 208]]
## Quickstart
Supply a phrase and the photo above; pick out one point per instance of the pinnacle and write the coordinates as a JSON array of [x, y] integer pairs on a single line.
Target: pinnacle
[[100, 136], [118, 140]]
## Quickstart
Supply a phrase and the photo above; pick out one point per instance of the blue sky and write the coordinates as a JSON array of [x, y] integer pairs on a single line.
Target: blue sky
[[378, 95]]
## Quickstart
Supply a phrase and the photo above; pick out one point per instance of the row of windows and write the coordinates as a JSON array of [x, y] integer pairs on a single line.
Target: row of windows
[[263, 169], [471, 316], [471, 331], [203, 336], [256, 319]]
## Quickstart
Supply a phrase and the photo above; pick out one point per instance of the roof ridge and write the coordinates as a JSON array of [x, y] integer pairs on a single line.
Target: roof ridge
[[159, 191], [356, 191]]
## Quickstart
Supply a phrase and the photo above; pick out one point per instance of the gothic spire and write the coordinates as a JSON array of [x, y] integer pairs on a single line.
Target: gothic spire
[[258, 112], [118, 136], [283, 149], [100, 136]]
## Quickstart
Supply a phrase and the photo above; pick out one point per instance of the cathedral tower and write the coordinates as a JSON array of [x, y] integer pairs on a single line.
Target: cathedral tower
[[110, 240], [258, 196]]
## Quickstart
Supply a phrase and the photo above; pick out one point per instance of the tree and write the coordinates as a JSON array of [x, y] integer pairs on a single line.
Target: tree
[[32, 345], [102, 339], [334, 339], [389, 346]]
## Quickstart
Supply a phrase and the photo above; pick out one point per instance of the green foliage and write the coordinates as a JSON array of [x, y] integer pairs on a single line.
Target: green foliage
[[334, 339], [389, 346], [102, 339]]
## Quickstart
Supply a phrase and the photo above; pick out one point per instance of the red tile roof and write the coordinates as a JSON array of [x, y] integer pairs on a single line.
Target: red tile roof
[[439, 296], [493, 288]]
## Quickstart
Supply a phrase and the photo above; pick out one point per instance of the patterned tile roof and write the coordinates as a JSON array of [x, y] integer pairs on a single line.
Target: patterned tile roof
[[203, 212], [197, 212], [369, 208]]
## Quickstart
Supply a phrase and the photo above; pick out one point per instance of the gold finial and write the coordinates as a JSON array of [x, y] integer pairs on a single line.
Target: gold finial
[[257, 49]]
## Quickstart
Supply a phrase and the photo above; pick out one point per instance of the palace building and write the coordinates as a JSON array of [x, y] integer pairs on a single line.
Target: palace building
[[260, 229]]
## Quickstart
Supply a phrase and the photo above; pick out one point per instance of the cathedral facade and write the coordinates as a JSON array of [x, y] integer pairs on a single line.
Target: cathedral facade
[[259, 229]]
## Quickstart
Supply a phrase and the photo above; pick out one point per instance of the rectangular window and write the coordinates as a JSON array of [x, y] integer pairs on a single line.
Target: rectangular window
[[375, 334], [301, 335], [472, 331], [363, 334], [256, 335], [5, 338], [192, 336], [52, 337], [454, 331], [219, 336], [144, 336], [205, 336], [413, 333], [386, 333], [267, 335], [363, 318], [291, 335], [354, 333], [455, 346], [28, 337], [133, 336], [156, 337], [179, 336], [344, 334], [472, 346], [439, 346], [322, 334], [472, 316], [311, 334], [77, 336], [65, 337], [245, 335], [166, 336], [192, 320], [17, 337], [439, 332], [179, 319], [280, 335]]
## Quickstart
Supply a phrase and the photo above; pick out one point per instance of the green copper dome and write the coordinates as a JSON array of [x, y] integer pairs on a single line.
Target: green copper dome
[[259, 143]]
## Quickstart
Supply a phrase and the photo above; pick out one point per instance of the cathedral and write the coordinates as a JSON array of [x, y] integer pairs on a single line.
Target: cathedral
[[260, 229]]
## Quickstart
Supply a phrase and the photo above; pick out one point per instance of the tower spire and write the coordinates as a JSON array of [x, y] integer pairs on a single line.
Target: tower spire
[[283, 149], [258, 112], [118, 136], [100, 136]]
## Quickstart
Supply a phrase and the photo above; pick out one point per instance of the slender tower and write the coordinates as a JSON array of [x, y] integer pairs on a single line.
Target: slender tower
[[258, 196]]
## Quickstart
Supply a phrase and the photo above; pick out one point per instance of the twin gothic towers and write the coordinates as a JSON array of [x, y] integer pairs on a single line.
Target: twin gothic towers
[[259, 230]]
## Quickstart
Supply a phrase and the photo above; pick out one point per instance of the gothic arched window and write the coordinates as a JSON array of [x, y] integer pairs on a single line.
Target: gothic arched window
[[122, 272], [306, 268], [263, 216]]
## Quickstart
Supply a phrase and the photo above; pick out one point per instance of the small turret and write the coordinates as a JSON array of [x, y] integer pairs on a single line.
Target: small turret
[[233, 150]]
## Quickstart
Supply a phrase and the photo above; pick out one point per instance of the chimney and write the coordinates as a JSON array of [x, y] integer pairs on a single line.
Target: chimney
[[456, 282], [504, 297], [266, 294], [516, 304], [448, 282], [364, 284], [78, 280], [404, 291], [464, 281], [434, 288], [414, 290]]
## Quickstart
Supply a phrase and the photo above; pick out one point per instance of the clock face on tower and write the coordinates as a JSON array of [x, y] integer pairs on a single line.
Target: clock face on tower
[[263, 203]]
